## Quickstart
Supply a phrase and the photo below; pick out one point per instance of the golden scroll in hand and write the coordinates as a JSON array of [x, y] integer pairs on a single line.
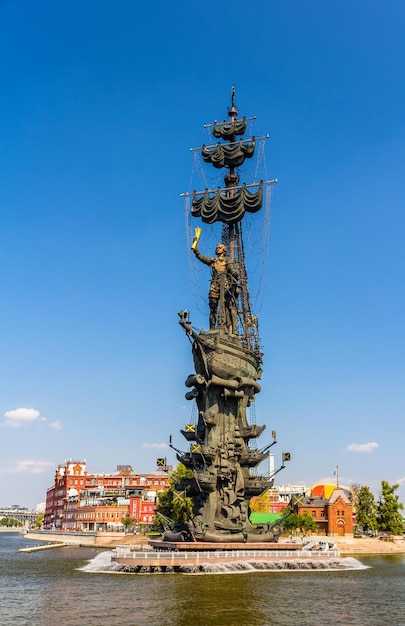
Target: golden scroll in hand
[[197, 235]]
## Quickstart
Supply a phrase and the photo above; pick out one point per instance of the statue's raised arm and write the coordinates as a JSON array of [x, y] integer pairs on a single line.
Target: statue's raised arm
[[223, 291]]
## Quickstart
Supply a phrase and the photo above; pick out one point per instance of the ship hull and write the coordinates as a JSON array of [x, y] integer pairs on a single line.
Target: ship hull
[[217, 354]]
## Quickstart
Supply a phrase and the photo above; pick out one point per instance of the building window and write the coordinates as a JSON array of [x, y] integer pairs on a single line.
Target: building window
[[313, 513]]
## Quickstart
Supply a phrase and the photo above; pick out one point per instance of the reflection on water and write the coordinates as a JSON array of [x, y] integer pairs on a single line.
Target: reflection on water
[[61, 586]]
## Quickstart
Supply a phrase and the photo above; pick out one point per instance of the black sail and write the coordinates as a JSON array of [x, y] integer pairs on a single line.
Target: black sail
[[229, 130], [229, 155], [229, 210]]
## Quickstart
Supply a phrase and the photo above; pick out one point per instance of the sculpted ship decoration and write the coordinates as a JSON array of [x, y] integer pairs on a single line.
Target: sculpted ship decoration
[[227, 360]]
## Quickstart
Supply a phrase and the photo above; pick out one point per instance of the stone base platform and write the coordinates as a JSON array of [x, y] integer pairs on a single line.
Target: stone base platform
[[219, 558]]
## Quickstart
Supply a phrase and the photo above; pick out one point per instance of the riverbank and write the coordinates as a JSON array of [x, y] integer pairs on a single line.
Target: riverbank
[[87, 539], [352, 546]]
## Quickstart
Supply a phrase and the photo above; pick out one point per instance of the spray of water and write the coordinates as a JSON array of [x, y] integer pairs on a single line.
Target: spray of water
[[102, 563]]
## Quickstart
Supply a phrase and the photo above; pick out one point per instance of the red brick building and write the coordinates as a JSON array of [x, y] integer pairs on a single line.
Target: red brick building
[[334, 515], [70, 479], [82, 501], [143, 511]]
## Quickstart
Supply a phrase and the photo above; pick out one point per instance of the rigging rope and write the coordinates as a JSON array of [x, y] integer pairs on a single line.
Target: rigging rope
[[256, 229]]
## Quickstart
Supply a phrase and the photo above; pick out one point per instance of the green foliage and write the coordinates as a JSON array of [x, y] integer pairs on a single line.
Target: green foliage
[[39, 520], [173, 503], [388, 510], [366, 510], [127, 522], [304, 522], [180, 472], [291, 523], [307, 524], [10, 522]]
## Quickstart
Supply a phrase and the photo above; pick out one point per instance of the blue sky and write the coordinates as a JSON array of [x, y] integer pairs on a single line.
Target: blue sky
[[99, 105]]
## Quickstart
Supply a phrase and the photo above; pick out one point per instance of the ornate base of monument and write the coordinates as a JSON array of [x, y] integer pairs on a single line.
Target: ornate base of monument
[[188, 546], [194, 557]]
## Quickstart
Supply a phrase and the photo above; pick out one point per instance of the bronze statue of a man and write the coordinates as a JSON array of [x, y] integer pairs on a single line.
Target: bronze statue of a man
[[223, 292]]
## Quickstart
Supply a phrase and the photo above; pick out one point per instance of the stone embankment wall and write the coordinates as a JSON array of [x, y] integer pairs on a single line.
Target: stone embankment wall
[[101, 539], [82, 539]]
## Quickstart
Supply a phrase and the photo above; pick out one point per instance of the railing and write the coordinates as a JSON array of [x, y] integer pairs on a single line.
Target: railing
[[124, 552]]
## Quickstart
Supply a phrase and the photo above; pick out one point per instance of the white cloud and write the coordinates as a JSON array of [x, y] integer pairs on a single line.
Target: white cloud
[[57, 425], [17, 417], [361, 447], [28, 467], [156, 446]]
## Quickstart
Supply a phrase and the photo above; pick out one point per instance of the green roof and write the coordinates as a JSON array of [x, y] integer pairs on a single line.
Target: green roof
[[264, 518]]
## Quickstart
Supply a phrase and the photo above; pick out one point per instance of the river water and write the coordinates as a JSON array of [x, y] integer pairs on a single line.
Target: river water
[[61, 586]]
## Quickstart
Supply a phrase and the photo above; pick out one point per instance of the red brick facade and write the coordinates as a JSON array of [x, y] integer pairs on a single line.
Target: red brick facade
[[82, 501], [70, 479], [334, 516]]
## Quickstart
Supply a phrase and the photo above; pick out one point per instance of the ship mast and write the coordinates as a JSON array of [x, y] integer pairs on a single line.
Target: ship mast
[[232, 237], [229, 205]]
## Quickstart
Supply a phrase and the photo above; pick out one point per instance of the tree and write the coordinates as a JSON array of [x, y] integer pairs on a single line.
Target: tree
[[260, 504], [304, 522], [127, 522], [291, 523], [307, 523], [10, 522], [366, 510], [388, 511], [39, 520], [174, 503], [355, 489]]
